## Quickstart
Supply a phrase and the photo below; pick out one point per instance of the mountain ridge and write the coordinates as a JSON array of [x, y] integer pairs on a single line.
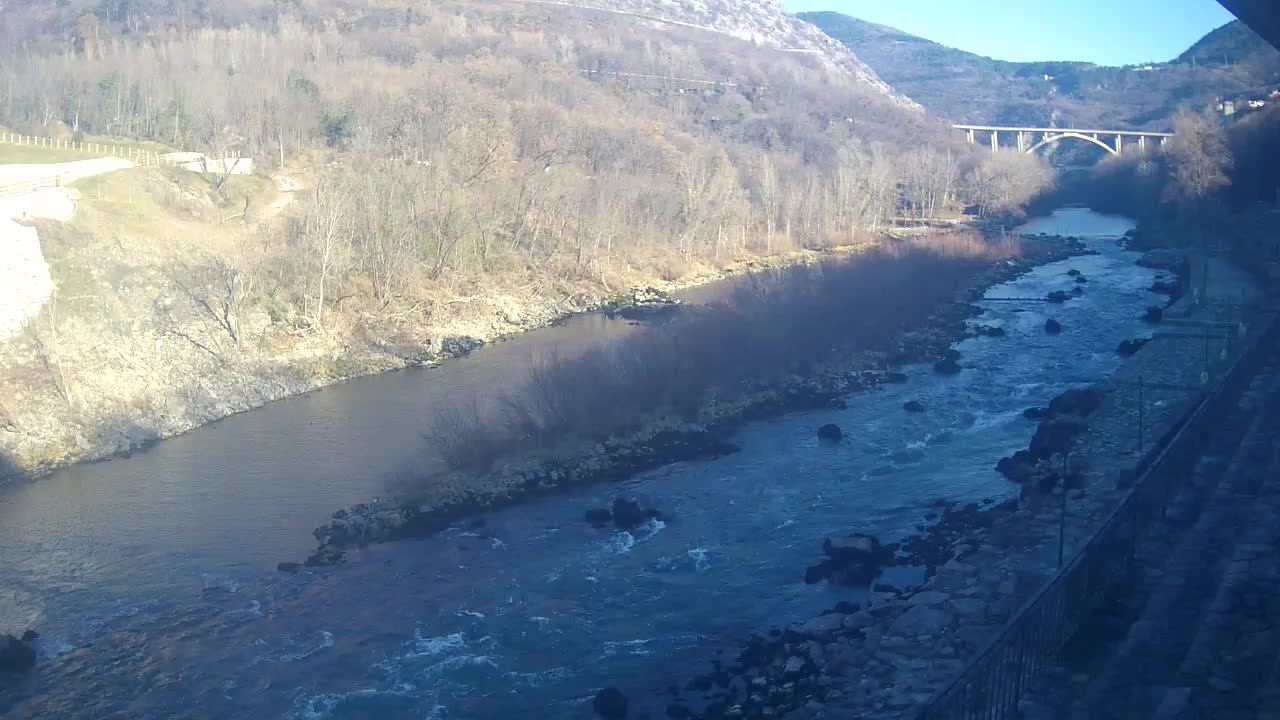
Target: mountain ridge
[[966, 87], [764, 22]]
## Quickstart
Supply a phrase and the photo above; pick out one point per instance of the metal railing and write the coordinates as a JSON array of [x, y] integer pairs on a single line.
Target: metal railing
[[991, 684]]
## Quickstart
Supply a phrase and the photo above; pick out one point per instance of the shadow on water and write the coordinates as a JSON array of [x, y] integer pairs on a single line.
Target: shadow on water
[[8, 466]]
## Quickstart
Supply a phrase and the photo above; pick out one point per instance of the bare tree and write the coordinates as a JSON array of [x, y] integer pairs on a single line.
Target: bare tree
[[216, 289], [1006, 180], [770, 189], [325, 238], [1199, 160], [1199, 157]]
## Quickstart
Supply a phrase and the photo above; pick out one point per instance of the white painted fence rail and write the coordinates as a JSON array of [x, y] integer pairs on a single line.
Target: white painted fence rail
[[134, 154]]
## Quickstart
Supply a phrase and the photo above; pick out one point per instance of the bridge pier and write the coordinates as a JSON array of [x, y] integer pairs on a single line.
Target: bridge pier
[[970, 137], [1022, 142], [1142, 143], [995, 140], [1119, 144]]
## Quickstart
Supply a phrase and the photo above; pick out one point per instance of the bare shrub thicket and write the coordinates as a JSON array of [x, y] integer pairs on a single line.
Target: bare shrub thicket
[[466, 141], [771, 324]]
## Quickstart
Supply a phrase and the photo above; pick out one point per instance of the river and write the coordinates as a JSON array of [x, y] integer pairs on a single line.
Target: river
[[151, 578]]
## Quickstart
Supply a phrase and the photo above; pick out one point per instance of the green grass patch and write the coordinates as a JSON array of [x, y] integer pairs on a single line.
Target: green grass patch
[[36, 155]]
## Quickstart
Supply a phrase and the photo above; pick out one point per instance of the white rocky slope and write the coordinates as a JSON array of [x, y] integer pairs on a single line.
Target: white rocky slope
[[25, 283], [761, 21]]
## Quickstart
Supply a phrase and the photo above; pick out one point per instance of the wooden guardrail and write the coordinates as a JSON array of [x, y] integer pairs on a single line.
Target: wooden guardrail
[[98, 149], [26, 186], [990, 685]]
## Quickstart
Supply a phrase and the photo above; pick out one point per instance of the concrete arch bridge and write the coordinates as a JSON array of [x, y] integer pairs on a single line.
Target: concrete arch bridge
[[1031, 139]]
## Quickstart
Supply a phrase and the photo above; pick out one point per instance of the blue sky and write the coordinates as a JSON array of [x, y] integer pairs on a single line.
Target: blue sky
[[1107, 32]]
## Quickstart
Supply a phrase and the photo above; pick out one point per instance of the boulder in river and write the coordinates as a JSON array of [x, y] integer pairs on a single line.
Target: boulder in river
[[854, 560], [30, 636], [598, 517], [643, 304], [1055, 436], [1019, 468], [1130, 347], [15, 655], [989, 331], [896, 377], [1036, 413], [1077, 401], [1154, 314], [1058, 297], [1074, 272], [1077, 291], [1081, 280], [627, 514], [947, 366], [610, 704], [830, 432], [1053, 327], [288, 567], [913, 406]]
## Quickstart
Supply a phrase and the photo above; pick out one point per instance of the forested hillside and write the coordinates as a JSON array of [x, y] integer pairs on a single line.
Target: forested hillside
[[467, 169], [1229, 62]]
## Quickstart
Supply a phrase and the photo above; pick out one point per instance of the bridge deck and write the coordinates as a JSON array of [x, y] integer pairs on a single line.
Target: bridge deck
[[1129, 133]]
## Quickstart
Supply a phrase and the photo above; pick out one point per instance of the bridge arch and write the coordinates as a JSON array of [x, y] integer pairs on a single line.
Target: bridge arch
[[1079, 136]]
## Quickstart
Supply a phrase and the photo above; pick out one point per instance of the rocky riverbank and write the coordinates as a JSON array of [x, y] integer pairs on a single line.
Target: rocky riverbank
[[889, 658], [667, 441]]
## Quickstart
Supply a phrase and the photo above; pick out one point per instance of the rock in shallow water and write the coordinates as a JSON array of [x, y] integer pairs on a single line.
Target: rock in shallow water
[[947, 366], [627, 514], [1036, 413], [913, 406], [1077, 401], [830, 432], [15, 655], [1053, 327], [598, 517], [1055, 436], [610, 704], [1130, 347]]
